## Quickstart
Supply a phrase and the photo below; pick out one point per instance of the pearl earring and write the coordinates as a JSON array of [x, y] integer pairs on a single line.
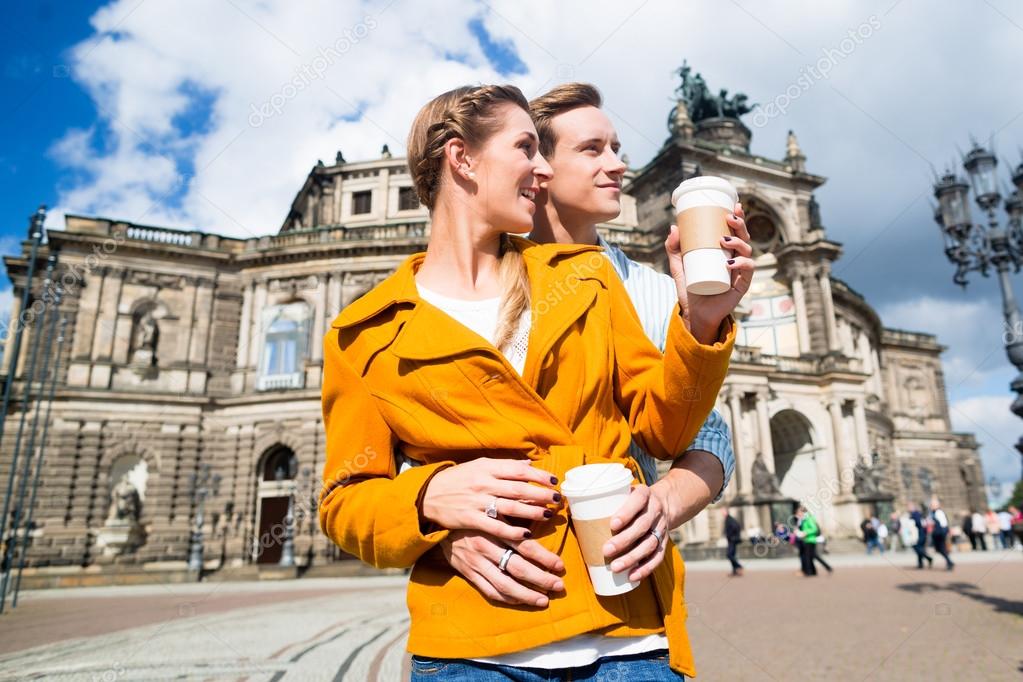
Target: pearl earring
[[472, 175]]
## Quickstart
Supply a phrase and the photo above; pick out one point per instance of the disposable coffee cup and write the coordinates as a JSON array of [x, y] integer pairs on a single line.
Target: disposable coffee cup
[[594, 493], [701, 205]]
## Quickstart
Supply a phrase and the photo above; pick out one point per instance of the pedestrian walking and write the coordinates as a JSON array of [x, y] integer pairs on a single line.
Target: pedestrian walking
[[939, 533], [978, 530], [920, 545], [733, 534], [870, 536], [1005, 529]]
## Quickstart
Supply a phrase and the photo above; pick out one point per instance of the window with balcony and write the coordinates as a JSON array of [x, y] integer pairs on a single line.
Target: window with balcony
[[285, 344]]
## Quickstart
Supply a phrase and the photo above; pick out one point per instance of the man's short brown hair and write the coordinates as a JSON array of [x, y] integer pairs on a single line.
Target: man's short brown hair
[[563, 98]]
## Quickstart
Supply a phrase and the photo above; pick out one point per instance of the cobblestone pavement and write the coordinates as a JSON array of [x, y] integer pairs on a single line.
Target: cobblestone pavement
[[875, 618]]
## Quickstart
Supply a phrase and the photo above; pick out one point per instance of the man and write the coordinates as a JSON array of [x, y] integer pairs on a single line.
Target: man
[[939, 533], [810, 533], [978, 529], [870, 536], [733, 534], [921, 538], [1005, 528], [895, 532], [581, 145]]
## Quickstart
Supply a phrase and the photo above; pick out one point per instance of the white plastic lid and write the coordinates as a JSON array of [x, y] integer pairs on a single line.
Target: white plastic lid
[[705, 183], [595, 479]]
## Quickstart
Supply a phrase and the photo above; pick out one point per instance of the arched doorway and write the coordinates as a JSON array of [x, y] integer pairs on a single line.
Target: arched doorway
[[276, 472], [795, 462]]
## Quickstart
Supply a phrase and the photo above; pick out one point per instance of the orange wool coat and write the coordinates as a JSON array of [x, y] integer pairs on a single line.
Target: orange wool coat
[[400, 373]]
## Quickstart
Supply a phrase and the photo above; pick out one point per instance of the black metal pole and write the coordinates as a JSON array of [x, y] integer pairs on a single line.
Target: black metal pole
[[39, 460], [26, 392], [35, 233]]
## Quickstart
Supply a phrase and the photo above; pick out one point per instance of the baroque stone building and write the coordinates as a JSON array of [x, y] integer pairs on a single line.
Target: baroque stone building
[[184, 348]]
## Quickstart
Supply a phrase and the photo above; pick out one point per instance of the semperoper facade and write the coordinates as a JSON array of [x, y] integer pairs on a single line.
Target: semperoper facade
[[186, 348]]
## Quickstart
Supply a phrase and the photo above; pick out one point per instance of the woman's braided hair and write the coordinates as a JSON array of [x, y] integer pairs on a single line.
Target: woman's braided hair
[[469, 113]]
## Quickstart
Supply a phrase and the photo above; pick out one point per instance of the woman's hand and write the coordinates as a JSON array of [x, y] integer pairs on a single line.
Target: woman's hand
[[634, 547], [530, 572], [704, 314], [457, 497]]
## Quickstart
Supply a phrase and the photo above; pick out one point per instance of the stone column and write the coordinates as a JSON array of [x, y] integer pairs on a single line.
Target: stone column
[[319, 313], [742, 460], [256, 323], [244, 327], [12, 329], [802, 319], [383, 194], [844, 471], [862, 436], [829, 311], [333, 299], [764, 427]]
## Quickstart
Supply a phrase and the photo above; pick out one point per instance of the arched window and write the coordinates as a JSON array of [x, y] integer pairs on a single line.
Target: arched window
[[279, 464], [285, 344]]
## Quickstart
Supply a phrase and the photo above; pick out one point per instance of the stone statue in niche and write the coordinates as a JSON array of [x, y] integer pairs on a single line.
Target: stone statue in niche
[[917, 399], [966, 472], [145, 339], [765, 484], [867, 478], [926, 481], [122, 533], [907, 479], [125, 503]]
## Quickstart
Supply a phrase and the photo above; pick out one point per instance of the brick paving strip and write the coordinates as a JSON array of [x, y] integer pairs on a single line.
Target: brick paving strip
[[873, 619]]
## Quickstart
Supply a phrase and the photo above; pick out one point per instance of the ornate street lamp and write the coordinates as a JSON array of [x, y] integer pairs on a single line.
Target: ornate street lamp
[[977, 247], [202, 484]]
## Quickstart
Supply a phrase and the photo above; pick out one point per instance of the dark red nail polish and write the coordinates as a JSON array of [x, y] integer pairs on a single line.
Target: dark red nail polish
[[547, 513], [728, 239], [557, 496], [527, 534], [554, 480], [731, 261]]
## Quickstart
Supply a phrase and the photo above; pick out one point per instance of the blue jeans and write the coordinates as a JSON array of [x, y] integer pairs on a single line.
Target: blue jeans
[[649, 666]]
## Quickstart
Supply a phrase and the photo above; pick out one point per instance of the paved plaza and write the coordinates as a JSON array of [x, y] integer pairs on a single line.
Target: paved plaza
[[875, 618]]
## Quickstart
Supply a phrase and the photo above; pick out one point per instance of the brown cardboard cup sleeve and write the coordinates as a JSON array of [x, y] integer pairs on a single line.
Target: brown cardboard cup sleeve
[[592, 535], [701, 227]]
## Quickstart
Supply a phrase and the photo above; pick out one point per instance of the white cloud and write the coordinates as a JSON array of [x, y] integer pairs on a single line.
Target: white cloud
[[147, 61], [997, 430]]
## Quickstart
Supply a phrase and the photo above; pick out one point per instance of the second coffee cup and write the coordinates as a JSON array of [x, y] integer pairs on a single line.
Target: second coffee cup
[[594, 493]]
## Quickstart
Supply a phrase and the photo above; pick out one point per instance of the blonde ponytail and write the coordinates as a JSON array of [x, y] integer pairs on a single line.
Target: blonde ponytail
[[515, 292]]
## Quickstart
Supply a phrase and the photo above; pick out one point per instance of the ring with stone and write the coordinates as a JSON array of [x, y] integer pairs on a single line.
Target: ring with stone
[[657, 534], [503, 564], [492, 509]]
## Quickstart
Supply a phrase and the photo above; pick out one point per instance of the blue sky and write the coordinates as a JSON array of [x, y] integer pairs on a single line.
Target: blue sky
[[134, 109], [43, 102]]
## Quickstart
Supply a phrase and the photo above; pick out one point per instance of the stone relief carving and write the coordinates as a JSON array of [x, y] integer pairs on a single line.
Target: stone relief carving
[[161, 280]]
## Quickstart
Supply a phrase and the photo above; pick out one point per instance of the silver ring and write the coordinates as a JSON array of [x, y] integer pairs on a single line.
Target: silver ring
[[503, 564], [492, 509], [657, 534]]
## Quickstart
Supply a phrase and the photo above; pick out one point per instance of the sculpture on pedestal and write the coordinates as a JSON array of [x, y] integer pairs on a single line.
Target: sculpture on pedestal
[[765, 484]]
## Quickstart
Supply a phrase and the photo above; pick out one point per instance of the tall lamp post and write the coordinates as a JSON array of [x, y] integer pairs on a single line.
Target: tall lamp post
[[980, 247], [202, 484]]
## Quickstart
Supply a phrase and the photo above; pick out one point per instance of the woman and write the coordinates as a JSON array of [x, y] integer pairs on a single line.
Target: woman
[[500, 364]]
